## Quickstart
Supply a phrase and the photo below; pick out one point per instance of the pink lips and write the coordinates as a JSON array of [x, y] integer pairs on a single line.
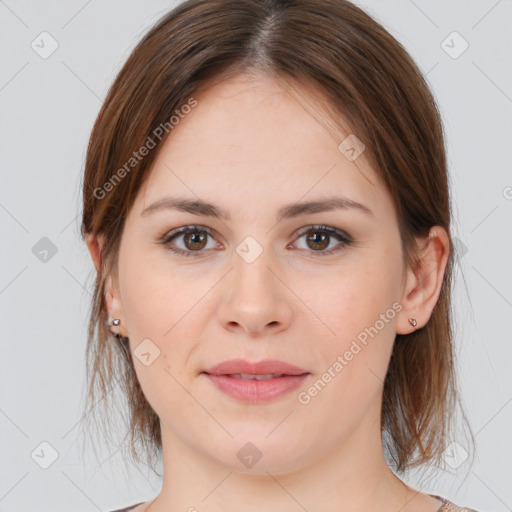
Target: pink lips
[[252, 390], [257, 368]]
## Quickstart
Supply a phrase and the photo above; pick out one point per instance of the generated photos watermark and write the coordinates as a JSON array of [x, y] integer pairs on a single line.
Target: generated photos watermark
[[304, 397], [149, 144]]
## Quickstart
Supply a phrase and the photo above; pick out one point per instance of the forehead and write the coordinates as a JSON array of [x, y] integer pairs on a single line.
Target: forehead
[[251, 139]]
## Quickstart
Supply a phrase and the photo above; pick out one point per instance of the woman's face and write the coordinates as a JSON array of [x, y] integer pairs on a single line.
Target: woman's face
[[257, 285]]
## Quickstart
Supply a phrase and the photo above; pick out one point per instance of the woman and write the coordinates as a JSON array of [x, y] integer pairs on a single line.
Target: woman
[[266, 204]]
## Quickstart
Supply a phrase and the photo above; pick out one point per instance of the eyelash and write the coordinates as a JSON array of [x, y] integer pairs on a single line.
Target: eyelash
[[339, 235]]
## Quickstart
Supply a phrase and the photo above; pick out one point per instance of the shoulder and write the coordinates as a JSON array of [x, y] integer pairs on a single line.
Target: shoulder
[[448, 506], [451, 507], [131, 508]]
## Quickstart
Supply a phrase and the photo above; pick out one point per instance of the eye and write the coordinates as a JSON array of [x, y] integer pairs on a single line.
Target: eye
[[319, 237], [195, 240]]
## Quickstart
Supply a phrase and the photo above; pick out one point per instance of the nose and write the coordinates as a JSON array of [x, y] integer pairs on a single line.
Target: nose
[[254, 299]]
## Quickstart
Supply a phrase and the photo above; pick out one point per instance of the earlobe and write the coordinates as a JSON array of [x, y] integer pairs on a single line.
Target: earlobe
[[423, 283]]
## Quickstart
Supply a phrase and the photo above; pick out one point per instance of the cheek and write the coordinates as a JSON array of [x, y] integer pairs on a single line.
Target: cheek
[[355, 359], [155, 305], [153, 294], [162, 305], [350, 301], [360, 307]]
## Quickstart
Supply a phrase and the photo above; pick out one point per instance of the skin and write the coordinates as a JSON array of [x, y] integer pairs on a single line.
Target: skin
[[250, 146]]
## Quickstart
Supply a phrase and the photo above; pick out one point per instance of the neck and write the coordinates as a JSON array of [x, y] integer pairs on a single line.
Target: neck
[[355, 476]]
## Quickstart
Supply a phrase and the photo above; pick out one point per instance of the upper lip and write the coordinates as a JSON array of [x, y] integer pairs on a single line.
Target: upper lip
[[267, 366]]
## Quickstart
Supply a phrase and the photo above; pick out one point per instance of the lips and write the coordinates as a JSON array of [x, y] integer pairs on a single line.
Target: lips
[[256, 382], [236, 367]]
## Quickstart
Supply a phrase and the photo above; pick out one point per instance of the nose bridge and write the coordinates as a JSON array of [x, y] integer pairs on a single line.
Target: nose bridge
[[253, 297], [251, 276]]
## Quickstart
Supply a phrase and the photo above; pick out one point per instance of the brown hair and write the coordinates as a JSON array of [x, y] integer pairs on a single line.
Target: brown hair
[[367, 78]]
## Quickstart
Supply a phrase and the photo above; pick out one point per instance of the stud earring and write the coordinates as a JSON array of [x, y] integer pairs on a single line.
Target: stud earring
[[413, 322], [115, 323]]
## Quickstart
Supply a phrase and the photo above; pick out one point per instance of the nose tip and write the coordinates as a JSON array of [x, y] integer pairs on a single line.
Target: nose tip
[[254, 300]]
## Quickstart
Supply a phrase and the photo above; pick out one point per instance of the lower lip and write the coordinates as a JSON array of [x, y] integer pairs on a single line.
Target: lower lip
[[257, 391]]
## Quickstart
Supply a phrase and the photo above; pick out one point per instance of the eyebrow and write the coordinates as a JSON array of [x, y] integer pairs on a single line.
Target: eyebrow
[[200, 207]]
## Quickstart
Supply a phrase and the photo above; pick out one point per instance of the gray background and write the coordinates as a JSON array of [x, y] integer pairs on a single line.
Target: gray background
[[48, 107]]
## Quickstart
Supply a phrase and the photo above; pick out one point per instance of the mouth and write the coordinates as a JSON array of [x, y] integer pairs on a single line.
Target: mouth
[[256, 388], [250, 376], [267, 369], [256, 382]]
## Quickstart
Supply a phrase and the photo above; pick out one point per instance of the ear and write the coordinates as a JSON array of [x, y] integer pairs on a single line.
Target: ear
[[94, 244], [423, 283], [112, 299]]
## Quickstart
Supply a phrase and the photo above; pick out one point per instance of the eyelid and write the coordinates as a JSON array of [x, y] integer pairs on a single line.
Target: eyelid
[[168, 235], [323, 227]]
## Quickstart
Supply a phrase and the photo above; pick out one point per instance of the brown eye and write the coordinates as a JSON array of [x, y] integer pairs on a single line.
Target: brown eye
[[318, 240], [189, 240], [195, 240]]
